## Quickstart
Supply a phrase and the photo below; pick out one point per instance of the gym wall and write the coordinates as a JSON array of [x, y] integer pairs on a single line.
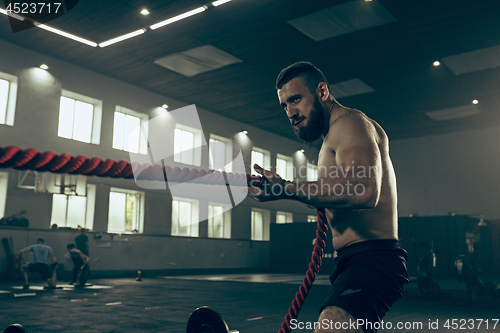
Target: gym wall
[[35, 126]]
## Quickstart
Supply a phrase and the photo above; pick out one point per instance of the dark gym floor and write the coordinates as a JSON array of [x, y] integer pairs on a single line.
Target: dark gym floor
[[248, 303]]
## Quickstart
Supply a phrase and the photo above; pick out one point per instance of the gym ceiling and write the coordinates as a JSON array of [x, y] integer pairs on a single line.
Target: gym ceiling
[[379, 56]]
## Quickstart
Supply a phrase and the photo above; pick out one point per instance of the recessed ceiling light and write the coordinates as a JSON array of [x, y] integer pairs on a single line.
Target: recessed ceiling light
[[245, 132], [178, 17], [121, 38], [475, 101], [302, 151], [43, 66], [145, 12], [219, 2], [436, 63], [165, 106]]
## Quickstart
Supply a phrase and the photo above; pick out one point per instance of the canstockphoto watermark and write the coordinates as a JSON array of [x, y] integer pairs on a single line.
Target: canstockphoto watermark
[[27, 14], [321, 187], [327, 324], [335, 172], [176, 138]]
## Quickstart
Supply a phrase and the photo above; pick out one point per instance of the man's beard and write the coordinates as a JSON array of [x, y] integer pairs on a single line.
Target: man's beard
[[315, 124]]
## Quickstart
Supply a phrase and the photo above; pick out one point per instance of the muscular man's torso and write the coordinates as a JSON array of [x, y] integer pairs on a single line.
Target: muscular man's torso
[[348, 225]]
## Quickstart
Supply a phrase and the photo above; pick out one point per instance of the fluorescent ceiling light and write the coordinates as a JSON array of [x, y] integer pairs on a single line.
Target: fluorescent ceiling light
[[145, 12], [475, 101], [219, 2], [349, 88], [198, 60], [454, 113], [43, 66], [474, 61], [342, 19], [436, 63], [122, 38], [65, 34], [3, 11], [178, 17]]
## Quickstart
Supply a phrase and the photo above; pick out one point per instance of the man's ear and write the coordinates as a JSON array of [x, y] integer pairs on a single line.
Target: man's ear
[[323, 92]]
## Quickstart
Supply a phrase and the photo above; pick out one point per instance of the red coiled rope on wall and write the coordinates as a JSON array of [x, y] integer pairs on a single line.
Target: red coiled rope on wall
[[32, 159]]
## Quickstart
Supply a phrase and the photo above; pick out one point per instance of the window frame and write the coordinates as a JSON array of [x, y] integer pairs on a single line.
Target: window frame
[[10, 109], [143, 132], [140, 213], [197, 144], [95, 135], [314, 167], [289, 167], [288, 217], [4, 189], [266, 222], [266, 159], [312, 218], [226, 220], [228, 157], [195, 214], [89, 208]]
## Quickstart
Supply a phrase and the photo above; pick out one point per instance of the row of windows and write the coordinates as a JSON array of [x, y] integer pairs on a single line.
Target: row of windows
[[80, 120], [126, 213]]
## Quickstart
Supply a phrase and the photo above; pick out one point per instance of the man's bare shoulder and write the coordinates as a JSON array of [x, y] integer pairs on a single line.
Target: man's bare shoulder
[[350, 125], [358, 123]]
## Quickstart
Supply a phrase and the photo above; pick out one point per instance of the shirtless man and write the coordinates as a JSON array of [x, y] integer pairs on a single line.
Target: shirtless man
[[357, 188]]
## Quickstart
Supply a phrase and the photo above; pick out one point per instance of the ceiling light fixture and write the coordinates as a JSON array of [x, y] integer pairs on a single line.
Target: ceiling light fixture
[[122, 38], [436, 63], [475, 101], [3, 11], [165, 106], [245, 132], [65, 34], [302, 151], [178, 17], [219, 2], [145, 12], [43, 66]]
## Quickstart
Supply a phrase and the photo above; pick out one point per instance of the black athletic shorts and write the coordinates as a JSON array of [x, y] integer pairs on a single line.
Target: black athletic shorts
[[370, 276], [41, 268]]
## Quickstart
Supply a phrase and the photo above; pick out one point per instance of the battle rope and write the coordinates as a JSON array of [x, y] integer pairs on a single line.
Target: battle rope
[[311, 273], [32, 159]]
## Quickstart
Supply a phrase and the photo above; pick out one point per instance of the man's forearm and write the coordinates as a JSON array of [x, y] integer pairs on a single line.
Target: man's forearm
[[341, 193]]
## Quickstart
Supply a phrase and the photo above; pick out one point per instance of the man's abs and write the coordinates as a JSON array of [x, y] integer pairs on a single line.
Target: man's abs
[[351, 226]]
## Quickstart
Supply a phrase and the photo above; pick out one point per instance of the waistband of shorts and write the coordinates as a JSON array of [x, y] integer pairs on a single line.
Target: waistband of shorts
[[370, 245]]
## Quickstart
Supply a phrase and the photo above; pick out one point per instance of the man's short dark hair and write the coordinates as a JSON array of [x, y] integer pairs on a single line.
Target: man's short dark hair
[[70, 246], [311, 75], [40, 240]]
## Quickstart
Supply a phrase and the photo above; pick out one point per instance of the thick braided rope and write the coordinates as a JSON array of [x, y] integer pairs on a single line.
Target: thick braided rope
[[311, 273], [32, 159]]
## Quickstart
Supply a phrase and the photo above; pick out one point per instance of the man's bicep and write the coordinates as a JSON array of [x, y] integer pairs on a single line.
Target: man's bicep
[[357, 151]]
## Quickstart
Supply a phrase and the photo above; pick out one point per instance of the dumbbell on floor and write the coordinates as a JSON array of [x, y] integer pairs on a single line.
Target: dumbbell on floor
[[15, 328], [205, 320]]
